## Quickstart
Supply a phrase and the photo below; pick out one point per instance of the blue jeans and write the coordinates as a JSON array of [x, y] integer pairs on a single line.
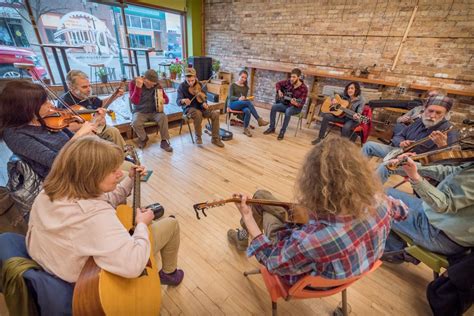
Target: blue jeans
[[288, 110], [378, 150], [247, 107], [419, 229]]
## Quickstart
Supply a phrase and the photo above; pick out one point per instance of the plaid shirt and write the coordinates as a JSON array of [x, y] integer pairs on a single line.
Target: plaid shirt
[[336, 247], [299, 93]]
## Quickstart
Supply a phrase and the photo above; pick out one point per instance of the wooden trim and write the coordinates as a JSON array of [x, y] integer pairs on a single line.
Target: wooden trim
[[154, 6], [324, 74]]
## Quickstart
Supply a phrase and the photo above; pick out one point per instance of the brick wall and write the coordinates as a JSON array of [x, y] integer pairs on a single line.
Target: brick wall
[[343, 35]]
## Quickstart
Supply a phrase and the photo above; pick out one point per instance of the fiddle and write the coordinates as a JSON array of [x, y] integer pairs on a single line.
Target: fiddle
[[199, 95], [449, 155], [58, 119]]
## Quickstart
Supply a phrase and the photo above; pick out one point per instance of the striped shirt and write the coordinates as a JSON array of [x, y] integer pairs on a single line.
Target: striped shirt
[[336, 247]]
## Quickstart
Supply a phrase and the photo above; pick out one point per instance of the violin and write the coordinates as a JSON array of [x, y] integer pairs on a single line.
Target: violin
[[450, 155], [199, 95], [58, 119]]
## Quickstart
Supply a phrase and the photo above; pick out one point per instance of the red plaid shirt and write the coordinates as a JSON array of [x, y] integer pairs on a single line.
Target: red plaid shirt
[[336, 247], [299, 93]]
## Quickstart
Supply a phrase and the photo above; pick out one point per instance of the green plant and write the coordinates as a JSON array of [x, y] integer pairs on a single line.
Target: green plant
[[178, 66], [101, 72], [216, 65]]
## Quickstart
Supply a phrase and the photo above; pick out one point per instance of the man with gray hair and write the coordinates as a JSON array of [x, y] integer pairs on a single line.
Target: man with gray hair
[[80, 93]]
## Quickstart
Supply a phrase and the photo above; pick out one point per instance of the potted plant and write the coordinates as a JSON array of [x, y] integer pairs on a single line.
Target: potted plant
[[102, 74], [216, 65], [177, 68]]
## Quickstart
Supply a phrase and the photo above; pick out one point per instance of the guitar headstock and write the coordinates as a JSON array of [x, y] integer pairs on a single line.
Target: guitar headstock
[[205, 205]]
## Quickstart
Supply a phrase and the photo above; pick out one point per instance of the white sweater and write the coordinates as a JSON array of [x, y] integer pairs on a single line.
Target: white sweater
[[63, 234]]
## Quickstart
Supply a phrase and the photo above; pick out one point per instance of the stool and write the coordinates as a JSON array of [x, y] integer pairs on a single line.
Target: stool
[[186, 119], [131, 71], [96, 67]]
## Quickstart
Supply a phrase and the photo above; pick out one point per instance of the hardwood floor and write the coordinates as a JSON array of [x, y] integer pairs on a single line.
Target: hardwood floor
[[214, 283]]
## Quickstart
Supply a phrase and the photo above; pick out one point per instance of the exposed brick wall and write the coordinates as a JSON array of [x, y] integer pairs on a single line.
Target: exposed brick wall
[[343, 35]]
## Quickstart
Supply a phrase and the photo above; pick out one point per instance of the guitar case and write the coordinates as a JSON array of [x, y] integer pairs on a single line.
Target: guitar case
[[224, 134]]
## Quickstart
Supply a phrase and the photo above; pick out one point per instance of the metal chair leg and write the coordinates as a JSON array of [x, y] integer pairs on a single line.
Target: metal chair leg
[[344, 303], [190, 132], [227, 120], [274, 309], [254, 271], [180, 126]]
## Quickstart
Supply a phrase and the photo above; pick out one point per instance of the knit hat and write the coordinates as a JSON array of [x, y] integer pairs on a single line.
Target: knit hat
[[440, 100], [190, 72], [151, 75]]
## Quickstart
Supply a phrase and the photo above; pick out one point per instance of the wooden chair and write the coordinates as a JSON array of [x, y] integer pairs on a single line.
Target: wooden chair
[[308, 287]]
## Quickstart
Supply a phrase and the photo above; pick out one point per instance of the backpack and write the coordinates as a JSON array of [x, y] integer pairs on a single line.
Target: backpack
[[12, 219]]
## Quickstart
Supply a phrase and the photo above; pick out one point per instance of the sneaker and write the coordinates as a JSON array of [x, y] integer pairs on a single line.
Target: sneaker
[[233, 238], [166, 146], [269, 131], [216, 141], [247, 132], [262, 122], [174, 278], [199, 140], [281, 135], [316, 141]]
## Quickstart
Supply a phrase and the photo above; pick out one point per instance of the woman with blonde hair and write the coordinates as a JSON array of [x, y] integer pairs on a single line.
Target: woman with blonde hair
[[349, 218], [73, 217]]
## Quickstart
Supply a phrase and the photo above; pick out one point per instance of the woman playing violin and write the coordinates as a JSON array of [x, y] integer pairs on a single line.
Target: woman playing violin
[[442, 218], [190, 97], [23, 105]]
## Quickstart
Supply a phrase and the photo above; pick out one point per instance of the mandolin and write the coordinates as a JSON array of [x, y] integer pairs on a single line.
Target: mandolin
[[98, 292], [295, 213]]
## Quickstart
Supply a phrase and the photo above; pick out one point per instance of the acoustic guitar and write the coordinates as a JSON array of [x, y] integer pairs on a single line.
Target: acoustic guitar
[[108, 102], [327, 107], [98, 292], [286, 98], [295, 213]]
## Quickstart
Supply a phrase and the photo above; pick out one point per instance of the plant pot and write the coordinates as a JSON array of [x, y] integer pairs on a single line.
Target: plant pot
[[104, 78], [173, 75]]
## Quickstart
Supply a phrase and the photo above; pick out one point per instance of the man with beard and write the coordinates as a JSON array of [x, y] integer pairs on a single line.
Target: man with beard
[[291, 97], [80, 93], [431, 124]]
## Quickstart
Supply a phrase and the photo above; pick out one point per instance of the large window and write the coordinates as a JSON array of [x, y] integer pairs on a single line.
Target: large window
[[94, 32]]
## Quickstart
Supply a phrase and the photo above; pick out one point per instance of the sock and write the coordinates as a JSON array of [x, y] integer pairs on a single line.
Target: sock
[[242, 234]]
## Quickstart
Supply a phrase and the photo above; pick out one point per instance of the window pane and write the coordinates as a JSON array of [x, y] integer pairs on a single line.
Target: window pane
[[156, 24], [146, 23], [135, 21]]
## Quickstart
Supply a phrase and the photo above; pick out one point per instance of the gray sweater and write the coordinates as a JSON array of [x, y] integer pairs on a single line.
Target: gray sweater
[[36, 145]]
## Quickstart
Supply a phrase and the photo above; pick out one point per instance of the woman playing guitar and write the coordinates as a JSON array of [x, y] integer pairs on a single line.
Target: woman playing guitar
[[74, 218]]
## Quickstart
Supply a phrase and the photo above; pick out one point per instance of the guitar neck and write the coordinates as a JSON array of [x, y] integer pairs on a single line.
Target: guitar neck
[[286, 205], [107, 102], [424, 140]]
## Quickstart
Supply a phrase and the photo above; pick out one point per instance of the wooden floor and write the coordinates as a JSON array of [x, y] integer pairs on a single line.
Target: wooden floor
[[214, 283]]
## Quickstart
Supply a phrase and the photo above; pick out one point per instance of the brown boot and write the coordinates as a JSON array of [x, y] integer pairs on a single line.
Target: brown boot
[[262, 122], [216, 141], [247, 132]]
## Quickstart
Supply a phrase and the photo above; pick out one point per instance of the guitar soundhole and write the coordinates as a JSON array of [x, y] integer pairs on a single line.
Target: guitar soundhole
[[131, 231], [144, 273]]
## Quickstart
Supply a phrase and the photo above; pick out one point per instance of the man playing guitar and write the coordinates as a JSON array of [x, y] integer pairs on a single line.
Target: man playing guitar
[[79, 93], [291, 97]]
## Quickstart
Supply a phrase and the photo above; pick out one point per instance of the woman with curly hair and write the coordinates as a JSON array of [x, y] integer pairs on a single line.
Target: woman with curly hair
[[349, 218]]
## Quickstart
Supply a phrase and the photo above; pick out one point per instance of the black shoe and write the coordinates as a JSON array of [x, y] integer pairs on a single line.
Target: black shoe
[[269, 131], [281, 135], [316, 141]]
